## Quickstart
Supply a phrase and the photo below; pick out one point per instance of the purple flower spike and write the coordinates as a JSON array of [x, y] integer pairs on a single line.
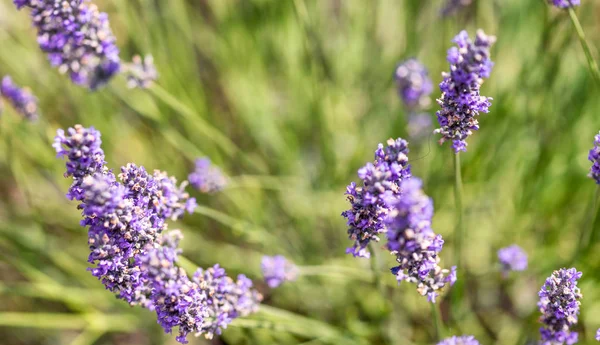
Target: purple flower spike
[[512, 258], [412, 240], [598, 334], [564, 3], [594, 157], [453, 6], [463, 340], [414, 85], [277, 269], [22, 100], [380, 181], [461, 102], [77, 38], [207, 178], [559, 305], [173, 200], [141, 73]]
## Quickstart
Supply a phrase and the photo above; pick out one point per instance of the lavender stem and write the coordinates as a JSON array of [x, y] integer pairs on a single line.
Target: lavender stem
[[458, 199], [437, 321], [586, 48]]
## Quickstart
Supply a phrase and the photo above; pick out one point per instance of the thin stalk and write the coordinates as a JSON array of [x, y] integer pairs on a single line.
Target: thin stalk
[[593, 66], [459, 232], [437, 321], [375, 268], [587, 228], [94, 321]]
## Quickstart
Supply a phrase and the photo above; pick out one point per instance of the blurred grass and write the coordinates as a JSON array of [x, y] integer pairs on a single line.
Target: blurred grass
[[291, 98]]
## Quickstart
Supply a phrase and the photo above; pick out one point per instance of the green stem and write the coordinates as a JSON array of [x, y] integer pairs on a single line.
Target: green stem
[[587, 228], [459, 232], [437, 320], [94, 321], [586, 48], [374, 261]]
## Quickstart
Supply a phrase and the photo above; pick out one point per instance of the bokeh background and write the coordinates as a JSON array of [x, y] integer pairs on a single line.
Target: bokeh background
[[290, 98]]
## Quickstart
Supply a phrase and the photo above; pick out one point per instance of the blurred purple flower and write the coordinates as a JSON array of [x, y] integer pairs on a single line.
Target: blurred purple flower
[[380, 180], [140, 73], [564, 3], [412, 240], [277, 269], [453, 6], [461, 102], [463, 340], [598, 334], [207, 178], [594, 157], [22, 100], [512, 258], [559, 305], [77, 38], [414, 85]]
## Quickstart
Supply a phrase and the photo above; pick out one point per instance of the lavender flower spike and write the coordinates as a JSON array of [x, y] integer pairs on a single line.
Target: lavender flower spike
[[414, 85], [461, 102], [22, 100], [277, 269], [77, 38], [207, 178], [453, 6], [598, 334], [594, 157], [463, 340], [141, 73], [559, 305], [564, 3], [412, 240], [512, 258], [380, 180]]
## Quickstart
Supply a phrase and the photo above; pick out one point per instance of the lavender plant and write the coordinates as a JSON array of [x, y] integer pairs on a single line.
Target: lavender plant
[[594, 157], [462, 340], [207, 178], [277, 269], [413, 83], [140, 72], [414, 243], [453, 6], [564, 3], [512, 258], [559, 304], [77, 38], [22, 100], [380, 180], [461, 101]]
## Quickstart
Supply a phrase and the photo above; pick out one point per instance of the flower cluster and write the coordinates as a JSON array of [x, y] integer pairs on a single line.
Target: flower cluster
[[140, 73], [77, 38], [414, 85], [277, 269], [207, 178], [559, 305], [22, 100], [598, 334], [461, 102], [126, 219], [453, 6], [565, 3], [414, 243], [594, 157], [380, 180], [512, 258], [463, 340]]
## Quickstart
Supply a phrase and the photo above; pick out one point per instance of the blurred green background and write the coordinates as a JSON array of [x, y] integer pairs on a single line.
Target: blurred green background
[[290, 98]]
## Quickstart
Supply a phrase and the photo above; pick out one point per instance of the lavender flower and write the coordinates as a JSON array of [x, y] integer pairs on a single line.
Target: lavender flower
[[178, 301], [463, 340], [419, 125], [512, 258], [414, 85], [207, 178], [141, 73], [461, 102], [594, 157], [81, 146], [22, 100], [598, 334], [564, 3], [227, 299], [559, 305], [173, 200], [453, 6], [413, 242], [277, 269], [380, 180], [77, 38]]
